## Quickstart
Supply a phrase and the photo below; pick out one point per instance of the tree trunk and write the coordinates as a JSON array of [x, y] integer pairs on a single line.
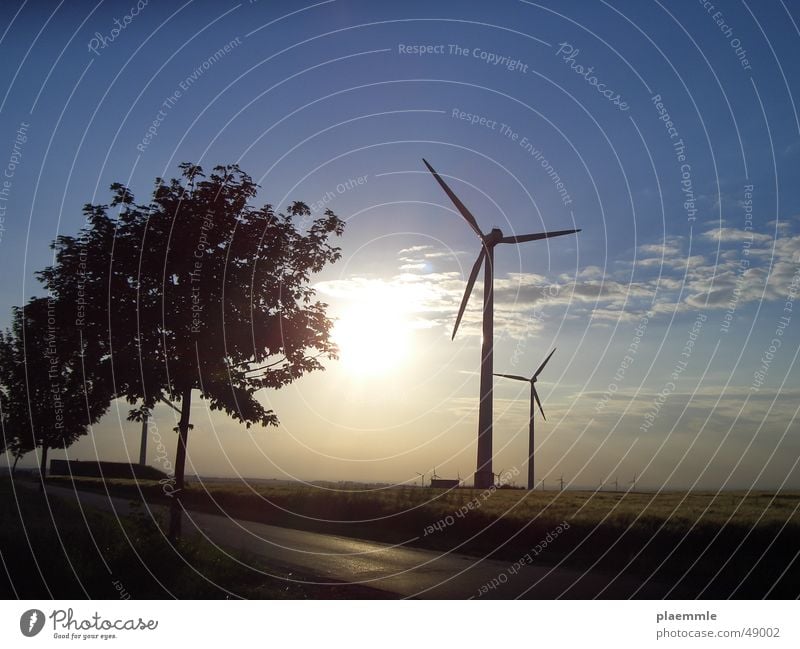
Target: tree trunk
[[43, 467], [180, 464], [14, 468], [143, 444]]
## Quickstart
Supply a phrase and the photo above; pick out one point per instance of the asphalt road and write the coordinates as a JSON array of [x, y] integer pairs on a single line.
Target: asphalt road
[[403, 571]]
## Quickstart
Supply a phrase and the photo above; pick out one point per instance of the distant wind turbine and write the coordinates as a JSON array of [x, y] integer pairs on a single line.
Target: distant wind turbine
[[534, 398], [421, 475], [483, 472]]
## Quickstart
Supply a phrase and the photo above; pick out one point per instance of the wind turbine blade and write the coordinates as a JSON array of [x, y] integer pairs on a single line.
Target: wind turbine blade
[[514, 376], [470, 283], [541, 367], [456, 201], [539, 403], [535, 237]]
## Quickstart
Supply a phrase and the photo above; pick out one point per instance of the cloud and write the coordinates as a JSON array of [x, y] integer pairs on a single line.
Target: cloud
[[671, 246], [591, 272], [413, 249], [426, 253], [715, 402], [747, 268], [736, 235]]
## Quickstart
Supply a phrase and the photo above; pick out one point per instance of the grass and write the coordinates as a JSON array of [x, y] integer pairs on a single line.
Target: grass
[[51, 549], [711, 545]]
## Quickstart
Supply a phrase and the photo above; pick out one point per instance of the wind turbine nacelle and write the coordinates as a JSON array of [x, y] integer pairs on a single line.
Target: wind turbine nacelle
[[494, 235]]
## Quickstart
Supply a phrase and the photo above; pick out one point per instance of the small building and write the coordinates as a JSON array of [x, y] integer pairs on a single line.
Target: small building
[[99, 469], [444, 483]]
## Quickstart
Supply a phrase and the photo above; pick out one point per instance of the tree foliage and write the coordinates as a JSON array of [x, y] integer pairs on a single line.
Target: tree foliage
[[197, 290], [47, 400]]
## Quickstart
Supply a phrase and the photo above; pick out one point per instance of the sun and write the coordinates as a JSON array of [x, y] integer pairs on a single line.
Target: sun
[[373, 334]]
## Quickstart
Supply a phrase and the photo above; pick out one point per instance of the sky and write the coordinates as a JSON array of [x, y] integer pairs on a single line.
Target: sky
[[668, 132]]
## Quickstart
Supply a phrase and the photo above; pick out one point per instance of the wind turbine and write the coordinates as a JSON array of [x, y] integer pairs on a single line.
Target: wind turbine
[[421, 475], [483, 472], [534, 398]]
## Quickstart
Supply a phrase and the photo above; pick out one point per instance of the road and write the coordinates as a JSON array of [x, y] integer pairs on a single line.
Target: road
[[403, 571]]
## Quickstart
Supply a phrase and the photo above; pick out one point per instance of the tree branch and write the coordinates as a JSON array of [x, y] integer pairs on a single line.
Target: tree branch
[[264, 367], [170, 404]]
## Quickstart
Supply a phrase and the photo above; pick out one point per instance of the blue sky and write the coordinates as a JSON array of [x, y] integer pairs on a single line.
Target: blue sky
[[698, 224]]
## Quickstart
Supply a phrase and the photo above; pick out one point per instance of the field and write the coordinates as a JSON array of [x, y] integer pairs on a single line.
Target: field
[[710, 545]]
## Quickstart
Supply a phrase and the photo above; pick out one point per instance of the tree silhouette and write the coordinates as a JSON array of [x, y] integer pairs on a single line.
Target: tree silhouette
[[8, 440], [47, 400], [197, 290], [16, 441]]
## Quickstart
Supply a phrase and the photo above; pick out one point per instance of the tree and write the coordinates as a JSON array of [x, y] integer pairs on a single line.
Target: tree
[[48, 402], [18, 449], [7, 440], [198, 290], [17, 442]]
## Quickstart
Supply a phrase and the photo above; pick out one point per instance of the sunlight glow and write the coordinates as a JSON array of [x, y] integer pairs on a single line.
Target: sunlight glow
[[373, 331]]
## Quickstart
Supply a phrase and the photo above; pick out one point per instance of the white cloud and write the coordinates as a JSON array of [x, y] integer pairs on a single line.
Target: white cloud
[[666, 280], [736, 235]]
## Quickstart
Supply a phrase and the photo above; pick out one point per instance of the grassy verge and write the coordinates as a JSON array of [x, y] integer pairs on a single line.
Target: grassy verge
[[706, 544], [50, 548]]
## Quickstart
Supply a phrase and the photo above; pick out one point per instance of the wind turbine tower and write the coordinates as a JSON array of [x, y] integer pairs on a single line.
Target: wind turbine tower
[[483, 473]]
